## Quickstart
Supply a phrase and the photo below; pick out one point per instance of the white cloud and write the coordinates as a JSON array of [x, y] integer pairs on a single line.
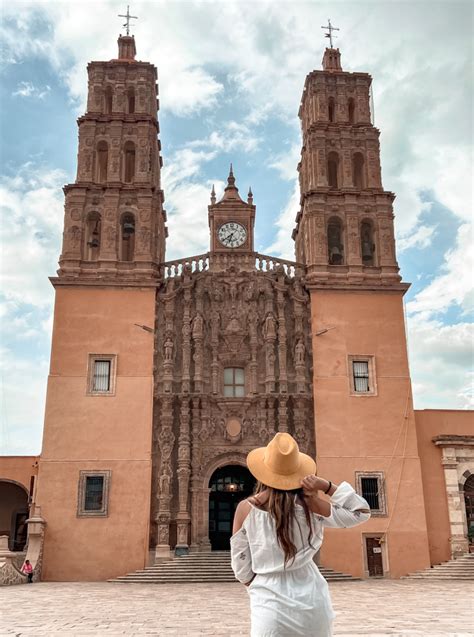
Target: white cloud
[[27, 89], [284, 246], [420, 238]]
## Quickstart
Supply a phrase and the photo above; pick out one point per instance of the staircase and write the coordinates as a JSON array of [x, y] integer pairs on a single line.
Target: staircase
[[213, 566], [461, 568]]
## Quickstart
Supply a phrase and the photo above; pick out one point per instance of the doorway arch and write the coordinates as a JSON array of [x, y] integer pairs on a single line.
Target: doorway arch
[[13, 513], [228, 485]]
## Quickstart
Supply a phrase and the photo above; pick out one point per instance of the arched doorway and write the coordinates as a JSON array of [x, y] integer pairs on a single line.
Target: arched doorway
[[469, 503], [13, 514], [228, 486]]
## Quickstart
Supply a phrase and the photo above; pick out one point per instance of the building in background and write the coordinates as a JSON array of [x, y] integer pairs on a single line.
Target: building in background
[[165, 374]]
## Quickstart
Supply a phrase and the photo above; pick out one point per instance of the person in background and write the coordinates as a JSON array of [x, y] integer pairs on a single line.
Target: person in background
[[276, 534], [27, 570]]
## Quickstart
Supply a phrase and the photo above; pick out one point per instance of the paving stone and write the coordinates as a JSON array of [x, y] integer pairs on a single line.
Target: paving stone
[[400, 608]]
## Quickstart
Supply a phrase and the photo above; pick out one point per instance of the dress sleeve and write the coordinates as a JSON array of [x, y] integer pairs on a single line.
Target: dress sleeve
[[346, 507], [240, 556]]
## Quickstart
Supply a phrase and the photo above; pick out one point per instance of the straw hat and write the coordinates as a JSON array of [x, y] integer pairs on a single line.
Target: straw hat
[[280, 464]]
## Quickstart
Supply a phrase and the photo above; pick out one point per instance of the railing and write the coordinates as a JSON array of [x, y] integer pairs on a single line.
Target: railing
[[224, 261]]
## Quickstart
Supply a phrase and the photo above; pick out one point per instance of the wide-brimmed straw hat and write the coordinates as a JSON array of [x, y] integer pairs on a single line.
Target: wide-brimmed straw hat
[[280, 464]]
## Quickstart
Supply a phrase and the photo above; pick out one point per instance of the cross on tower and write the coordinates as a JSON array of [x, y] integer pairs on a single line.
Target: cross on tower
[[129, 17], [329, 35]]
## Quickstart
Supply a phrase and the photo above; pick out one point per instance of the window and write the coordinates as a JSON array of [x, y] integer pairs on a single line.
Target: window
[[360, 369], [333, 170], [93, 493], [102, 161], [101, 375], [129, 162], [92, 237], [331, 109], [127, 238], [234, 382], [358, 176], [108, 100], [335, 244], [362, 376], [131, 100], [367, 243], [351, 110], [371, 486]]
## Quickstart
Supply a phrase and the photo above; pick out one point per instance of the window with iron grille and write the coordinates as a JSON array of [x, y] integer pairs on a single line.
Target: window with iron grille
[[234, 382], [93, 493], [371, 486], [370, 492], [362, 376], [101, 374], [360, 370]]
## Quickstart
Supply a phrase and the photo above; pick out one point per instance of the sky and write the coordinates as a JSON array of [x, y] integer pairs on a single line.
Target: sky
[[231, 74]]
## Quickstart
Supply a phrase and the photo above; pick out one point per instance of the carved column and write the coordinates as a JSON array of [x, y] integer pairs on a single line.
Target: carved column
[[186, 335], [184, 472], [300, 366], [215, 323], [282, 377], [270, 338], [166, 439], [252, 327], [198, 335]]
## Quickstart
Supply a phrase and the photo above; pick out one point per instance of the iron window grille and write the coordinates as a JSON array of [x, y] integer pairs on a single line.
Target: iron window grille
[[93, 494], [360, 370], [371, 486], [101, 375], [370, 492]]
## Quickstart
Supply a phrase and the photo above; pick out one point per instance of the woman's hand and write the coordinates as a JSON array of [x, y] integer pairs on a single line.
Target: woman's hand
[[312, 484]]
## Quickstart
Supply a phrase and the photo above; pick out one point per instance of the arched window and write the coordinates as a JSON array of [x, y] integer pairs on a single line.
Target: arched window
[[351, 110], [367, 245], [108, 100], [127, 237], [102, 161], [331, 110], [131, 99], [129, 162], [358, 171], [92, 246], [234, 382], [335, 243], [333, 170]]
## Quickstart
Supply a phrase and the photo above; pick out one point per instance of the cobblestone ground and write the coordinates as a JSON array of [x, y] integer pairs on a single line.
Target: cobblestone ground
[[375, 608]]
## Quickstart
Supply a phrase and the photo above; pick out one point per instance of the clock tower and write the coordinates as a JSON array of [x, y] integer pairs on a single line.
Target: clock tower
[[231, 221]]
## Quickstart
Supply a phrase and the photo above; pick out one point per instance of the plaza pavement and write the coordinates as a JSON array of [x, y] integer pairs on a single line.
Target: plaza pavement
[[374, 608]]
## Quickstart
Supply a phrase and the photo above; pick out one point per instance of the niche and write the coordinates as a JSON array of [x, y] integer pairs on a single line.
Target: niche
[[367, 246], [108, 100], [129, 162], [358, 172], [102, 161], [333, 170], [92, 246], [131, 99], [331, 110]]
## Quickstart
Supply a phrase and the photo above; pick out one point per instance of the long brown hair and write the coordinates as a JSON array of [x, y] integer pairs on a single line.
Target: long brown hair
[[281, 506]]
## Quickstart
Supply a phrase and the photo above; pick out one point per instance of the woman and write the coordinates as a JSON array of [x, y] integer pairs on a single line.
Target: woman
[[277, 532]]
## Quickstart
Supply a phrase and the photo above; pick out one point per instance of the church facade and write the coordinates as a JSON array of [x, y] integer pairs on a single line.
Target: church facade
[[165, 374]]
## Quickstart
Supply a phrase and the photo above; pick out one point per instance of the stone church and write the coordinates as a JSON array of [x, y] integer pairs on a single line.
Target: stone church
[[164, 374]]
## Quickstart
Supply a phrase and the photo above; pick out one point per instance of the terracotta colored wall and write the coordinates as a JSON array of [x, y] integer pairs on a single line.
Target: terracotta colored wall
[[98, 432], [430, 423], [365, 433], [19, 469]]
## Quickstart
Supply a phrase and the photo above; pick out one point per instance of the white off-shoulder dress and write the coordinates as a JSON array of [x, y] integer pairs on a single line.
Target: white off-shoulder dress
[[291, 601]]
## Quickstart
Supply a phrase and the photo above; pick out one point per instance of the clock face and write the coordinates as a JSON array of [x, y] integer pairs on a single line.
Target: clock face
[[232, 234]]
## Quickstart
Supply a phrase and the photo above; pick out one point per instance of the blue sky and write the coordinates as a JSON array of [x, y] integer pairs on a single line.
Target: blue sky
[[230, 77]]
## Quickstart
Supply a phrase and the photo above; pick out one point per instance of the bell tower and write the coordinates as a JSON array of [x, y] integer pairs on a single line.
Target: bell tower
[[94, 486], [114, 225], [344, 236]]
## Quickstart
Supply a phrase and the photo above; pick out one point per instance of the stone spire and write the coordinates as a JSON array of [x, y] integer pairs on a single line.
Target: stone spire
[[126, 47], [250, 197], [213, 195], [332, 60]]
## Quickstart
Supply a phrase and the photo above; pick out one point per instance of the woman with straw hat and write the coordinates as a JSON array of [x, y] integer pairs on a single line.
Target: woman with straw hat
[[276, 534]]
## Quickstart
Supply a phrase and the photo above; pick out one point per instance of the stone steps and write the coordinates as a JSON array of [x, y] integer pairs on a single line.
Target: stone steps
[[461, 568], [200, 568]]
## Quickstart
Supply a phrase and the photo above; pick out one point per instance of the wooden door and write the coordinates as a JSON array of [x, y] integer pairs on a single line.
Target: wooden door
[[374, 557]]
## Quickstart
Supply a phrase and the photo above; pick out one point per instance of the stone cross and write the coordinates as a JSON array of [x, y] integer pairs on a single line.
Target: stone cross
[[329, 35], [128, 17]]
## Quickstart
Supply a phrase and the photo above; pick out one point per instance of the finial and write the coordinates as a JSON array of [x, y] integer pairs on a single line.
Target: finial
[[128, 18], [213, 195], [231, 178], [329, 35], [250, 196]]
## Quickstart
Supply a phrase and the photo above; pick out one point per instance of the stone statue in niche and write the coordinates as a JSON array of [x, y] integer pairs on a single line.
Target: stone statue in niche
[[270, 360], [197, 326], [168, 348], [299, 353], [270, 327]]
